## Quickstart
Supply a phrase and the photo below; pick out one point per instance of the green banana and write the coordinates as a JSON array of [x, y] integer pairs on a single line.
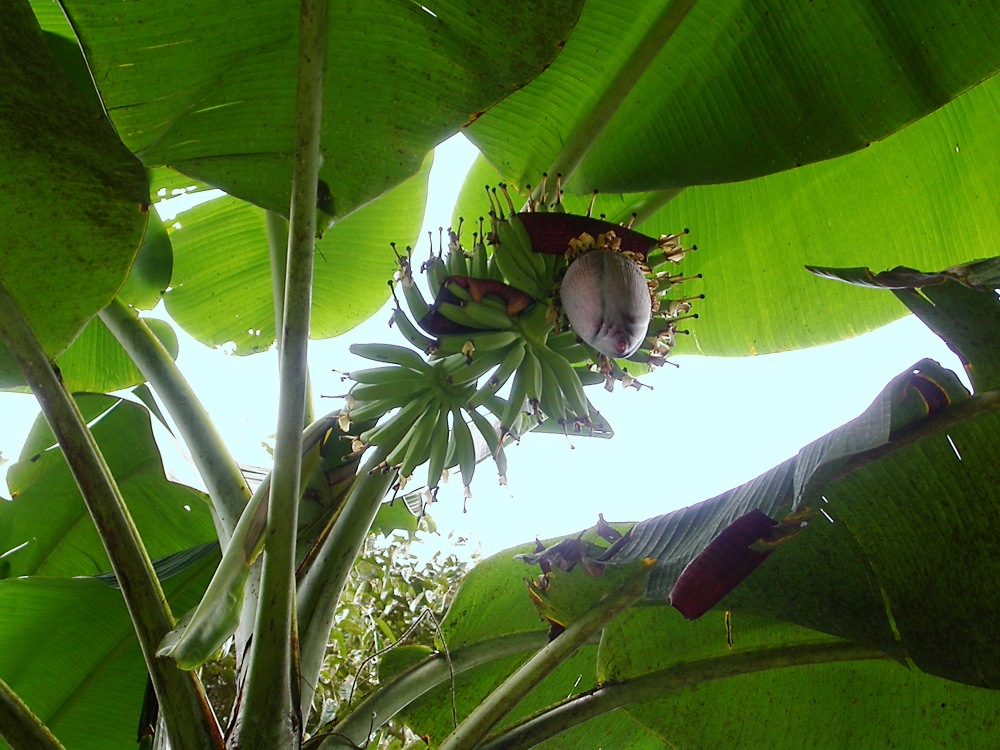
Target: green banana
[[493, 268], [481, 342], [437, 271], [553, 402], [419, 442], [487, 316], [522, 266], [482, 363], [532, 370], [473, 315], [568, 379], [410, 332], [516, 399], [414, 297], [511, 361], [480, 261], [396, 427], [376, 375], [364, 411], [381, 391], [465, 448], [493, 441], [392, 354], [438, 450], [458, 264]]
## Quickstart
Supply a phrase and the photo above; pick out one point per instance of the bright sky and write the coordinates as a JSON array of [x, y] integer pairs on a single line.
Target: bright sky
[[707, 426]]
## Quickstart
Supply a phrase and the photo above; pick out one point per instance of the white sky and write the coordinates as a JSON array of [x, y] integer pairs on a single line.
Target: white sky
[[707, 426]]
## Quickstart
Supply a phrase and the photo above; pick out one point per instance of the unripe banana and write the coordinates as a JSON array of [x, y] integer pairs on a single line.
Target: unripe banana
[[410, 332], [509, 364], [392, 354], [465, 447], [568, 380]]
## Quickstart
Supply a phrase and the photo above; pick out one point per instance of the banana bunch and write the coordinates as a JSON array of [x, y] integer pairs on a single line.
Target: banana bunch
[[485, 362]]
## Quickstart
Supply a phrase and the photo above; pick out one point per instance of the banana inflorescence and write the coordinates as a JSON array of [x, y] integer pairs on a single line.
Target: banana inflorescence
[[495, 322]]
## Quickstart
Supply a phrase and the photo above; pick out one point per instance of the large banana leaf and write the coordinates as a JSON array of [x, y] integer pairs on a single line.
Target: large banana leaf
[[921, 198], [221, 286], [48, 516], [74, 199], [671, 93], [208, 88], [71, 654]]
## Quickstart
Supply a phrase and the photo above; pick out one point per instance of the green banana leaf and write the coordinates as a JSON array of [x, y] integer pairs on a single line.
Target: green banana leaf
[[47, 514], [208, 88], [672, 93], [921, 198], [69, 646], [75, 200], [221, 285], [71, 654]]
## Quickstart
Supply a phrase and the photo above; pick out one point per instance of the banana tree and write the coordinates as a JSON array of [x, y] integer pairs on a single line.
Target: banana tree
[[779, 135]]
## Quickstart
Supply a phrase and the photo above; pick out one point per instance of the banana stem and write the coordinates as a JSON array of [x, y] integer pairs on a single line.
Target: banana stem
[[323, 583], [190, 721], [277, 246], [216, 465], [19, 727], [498, 704], [269, 716], [600, 114]]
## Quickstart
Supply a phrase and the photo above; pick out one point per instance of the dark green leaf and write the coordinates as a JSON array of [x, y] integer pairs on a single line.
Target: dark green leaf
[[74, 198], [728, 90], [410, 79]]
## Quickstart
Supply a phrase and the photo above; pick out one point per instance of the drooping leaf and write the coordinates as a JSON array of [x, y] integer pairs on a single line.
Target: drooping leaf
[[412, 77], [715, 91], [221, 287], [960, 304], [75, 200], [48, 513]]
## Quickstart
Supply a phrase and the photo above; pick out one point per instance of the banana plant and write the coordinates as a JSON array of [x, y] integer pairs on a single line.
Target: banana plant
[[771, 163]]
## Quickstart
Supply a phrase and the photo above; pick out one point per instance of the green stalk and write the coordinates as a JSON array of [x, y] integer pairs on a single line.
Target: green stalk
[[268, 715], [19, 727], [323, 583], [277, 248], [498, 704], [402, 689], [219, 612], [581, 139], [190, 721], [226, 485], [574, 711]]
